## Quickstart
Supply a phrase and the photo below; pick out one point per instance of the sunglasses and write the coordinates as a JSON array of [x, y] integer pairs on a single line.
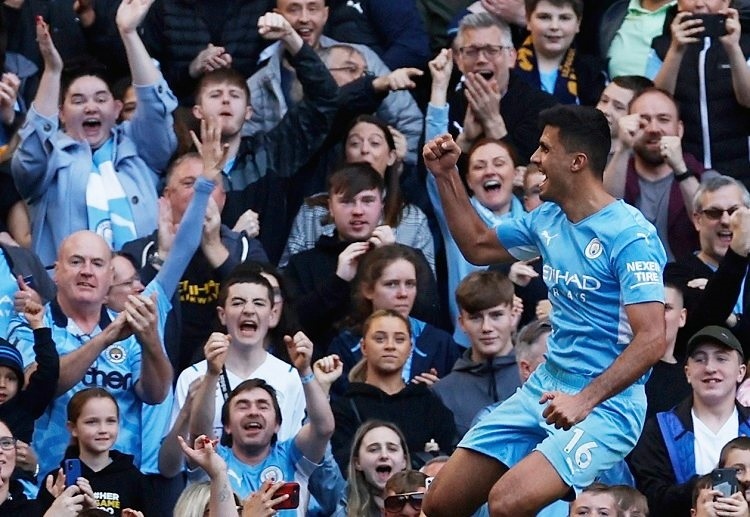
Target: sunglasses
[[715, 214], [396, 503]]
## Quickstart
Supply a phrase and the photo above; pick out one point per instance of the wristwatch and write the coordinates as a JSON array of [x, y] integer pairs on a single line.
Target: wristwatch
[[679, 177]]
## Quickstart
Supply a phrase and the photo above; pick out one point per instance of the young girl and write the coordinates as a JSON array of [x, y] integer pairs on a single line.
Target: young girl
[[94, 422], [387, 278], [378, 452]]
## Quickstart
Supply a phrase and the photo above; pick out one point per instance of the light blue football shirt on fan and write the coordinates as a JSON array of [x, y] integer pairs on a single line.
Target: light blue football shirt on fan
[[593, 269]]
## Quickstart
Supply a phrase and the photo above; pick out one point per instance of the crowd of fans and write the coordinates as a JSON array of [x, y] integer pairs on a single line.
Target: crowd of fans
[[228, 285]]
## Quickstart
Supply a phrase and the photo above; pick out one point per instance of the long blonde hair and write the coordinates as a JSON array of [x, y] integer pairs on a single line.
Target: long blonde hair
[[361, 496]]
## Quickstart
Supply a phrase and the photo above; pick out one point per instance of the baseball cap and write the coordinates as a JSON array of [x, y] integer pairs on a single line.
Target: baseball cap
[[717, 335]]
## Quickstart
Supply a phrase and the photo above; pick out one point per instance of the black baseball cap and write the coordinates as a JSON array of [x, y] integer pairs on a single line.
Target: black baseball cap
[[717, 335]]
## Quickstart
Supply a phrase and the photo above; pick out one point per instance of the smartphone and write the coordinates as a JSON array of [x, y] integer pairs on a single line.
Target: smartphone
[[72, 469], [292, 490], [714, 24], [725, 481]]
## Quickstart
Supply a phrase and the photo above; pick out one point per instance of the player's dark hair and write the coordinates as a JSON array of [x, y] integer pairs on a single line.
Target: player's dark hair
[[581, 129]]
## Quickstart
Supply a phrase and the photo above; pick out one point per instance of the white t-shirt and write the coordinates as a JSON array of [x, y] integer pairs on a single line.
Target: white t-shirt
[[283, 377], [708, 444]]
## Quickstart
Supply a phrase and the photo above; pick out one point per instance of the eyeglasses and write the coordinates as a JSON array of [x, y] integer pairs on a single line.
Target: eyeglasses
[[714, 214], [349, 69], [7, 443], [130, 282], [396, 503], [490, 51]]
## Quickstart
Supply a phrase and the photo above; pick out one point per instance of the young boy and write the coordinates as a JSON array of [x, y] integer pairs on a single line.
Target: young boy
[[245, 309], [94, 173], [20, 407], [487, 372], [259, 166], [548, 60]]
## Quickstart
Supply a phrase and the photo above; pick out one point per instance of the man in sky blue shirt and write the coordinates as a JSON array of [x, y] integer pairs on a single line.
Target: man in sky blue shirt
[[583, 410]]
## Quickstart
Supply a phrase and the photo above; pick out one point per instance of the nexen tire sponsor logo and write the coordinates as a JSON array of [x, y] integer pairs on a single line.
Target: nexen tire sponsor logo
[[104, 379]]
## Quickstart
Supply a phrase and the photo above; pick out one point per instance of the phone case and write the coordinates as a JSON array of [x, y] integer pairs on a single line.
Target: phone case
[[292, 489], [725, 481], [72, 468]]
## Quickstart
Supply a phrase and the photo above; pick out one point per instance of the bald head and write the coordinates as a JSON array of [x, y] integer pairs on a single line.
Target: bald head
[[83, 271]]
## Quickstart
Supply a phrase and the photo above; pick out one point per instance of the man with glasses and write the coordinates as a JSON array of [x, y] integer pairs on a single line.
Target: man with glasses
[[404, 492], [651, 172], [490, 100], [716, 275]]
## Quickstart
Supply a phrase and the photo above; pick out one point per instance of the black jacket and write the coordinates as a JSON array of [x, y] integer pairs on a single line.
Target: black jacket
[[321, 298], [20, 412], [117, 486], [266, 162], [415, 410], [715, 303], [194, 304], [727, 123], [520, 107], [16, 505], [176, 31]]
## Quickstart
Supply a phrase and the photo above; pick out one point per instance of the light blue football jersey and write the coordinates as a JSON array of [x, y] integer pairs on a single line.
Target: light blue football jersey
[[593, 269]]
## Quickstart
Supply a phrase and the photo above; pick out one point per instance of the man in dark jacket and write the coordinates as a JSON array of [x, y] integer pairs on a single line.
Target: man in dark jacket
[[708, 75], [259, 167], [716, 273], [320, 278], [491, 100], [678, 446], [487, 372]]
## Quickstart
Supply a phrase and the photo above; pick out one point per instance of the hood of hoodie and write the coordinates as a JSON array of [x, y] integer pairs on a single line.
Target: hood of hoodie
[[467, 365], [121, 462]]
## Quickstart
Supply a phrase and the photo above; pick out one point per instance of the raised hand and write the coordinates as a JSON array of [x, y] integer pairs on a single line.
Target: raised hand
[[274, 26], [399, 79], [141, 313], [483, 96], [441, 69], [167, 228], [213, 152], [215, 350], [441, 155], [51, 57], [399, 141], [131, 13], [382, 236], [671, 151], [629, 129], [209, 59], [24, 294], [9, 85], [203, 454], [327, 370], [248, 222], [261, 503], [348, 260], [300, 350]]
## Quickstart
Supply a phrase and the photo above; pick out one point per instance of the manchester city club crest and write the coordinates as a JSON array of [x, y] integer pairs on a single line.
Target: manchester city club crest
[[272, 473], [116, 354]]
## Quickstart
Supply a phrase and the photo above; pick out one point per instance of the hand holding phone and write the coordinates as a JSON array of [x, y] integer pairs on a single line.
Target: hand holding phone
[[72, 469], [714, 24], [292, 490]]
